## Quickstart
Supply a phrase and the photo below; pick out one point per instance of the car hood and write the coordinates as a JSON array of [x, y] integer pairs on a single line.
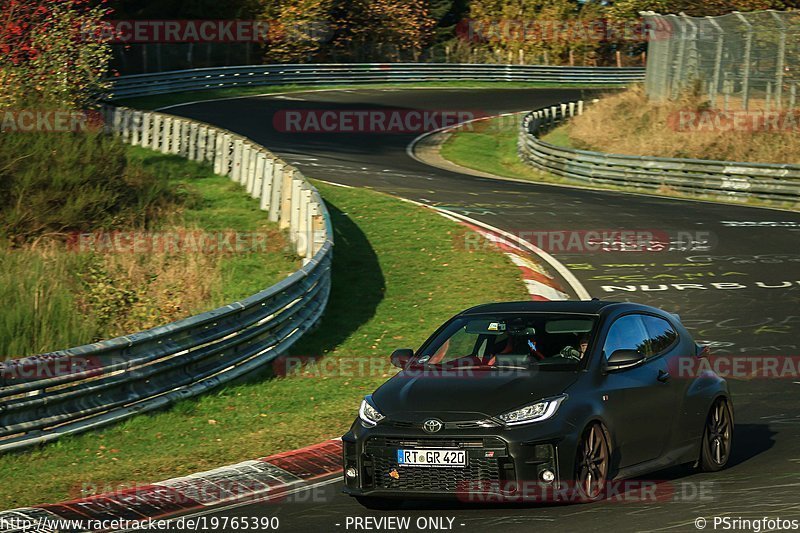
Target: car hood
[[409, 396]]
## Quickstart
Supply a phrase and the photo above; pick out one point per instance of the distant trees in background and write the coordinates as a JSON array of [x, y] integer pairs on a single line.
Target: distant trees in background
[[347, 30], [593, 32], [41, 38]]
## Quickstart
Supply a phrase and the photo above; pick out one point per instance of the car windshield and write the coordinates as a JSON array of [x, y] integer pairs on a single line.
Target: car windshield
[[546, 341]]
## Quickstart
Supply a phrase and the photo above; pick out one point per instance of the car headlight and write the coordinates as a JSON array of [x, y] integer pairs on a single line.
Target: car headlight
[[368, 413], [536, 412]]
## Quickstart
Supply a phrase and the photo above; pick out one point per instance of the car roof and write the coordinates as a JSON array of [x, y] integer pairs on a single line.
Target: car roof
[[593, 307]]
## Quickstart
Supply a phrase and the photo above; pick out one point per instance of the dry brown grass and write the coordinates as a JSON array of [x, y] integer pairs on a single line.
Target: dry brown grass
[[136, 291], [627, 123]]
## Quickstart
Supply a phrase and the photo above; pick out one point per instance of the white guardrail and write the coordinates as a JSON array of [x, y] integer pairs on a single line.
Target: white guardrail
[[118, 378], [350, 74], [114, 379], [734, 180]]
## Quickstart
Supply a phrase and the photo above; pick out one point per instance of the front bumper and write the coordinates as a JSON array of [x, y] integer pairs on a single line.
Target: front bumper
[[502, 464]]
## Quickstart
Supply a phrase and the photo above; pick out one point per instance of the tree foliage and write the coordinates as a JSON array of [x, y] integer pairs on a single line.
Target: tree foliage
[[51, 52], [347, 30]]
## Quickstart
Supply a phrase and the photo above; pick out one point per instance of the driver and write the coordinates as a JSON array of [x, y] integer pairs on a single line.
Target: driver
[[573, 352]]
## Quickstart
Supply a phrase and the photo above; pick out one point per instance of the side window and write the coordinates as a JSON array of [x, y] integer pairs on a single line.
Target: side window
[[626, 333], [660, 334]]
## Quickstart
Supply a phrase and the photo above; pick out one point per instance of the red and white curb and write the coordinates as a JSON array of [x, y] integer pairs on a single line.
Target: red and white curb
[[267, 479]]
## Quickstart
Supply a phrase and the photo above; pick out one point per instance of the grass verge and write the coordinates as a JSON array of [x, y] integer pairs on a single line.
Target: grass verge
[[66, 297], [163, 100], [398, 272], [492, 148], [689, 127]]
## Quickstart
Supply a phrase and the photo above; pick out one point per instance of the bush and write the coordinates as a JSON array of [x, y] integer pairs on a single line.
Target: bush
[[54, 184]]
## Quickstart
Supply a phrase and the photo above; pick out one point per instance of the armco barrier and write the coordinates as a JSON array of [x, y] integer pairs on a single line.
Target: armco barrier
[[338, 74], [77, 389], [774, 182], [69, 391]]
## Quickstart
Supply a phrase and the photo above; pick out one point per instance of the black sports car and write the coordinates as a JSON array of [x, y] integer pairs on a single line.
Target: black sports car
[[538, 401]]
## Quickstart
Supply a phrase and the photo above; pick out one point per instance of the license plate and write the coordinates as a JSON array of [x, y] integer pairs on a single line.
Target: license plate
[[447, 458]]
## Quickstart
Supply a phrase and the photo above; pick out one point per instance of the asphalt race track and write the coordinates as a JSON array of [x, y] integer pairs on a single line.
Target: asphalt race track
[[742, 295]]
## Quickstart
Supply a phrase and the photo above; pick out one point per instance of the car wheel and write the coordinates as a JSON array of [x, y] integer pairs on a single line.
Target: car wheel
[[591, 464], [717, 437], [379, 504]]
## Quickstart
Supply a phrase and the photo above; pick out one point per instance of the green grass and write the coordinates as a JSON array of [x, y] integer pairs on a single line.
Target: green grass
[[42, 315], [63, 298], [493, 149], [219, 204], [398, 272], [162, 100]]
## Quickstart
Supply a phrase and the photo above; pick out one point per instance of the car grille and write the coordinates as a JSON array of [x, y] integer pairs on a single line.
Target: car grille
[[435, 479], [384, 473]]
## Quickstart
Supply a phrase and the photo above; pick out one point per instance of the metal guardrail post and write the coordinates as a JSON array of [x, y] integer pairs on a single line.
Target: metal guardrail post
[[251, 173], [219, 157], [748, 46], [191, 152], [147, 129], [294, 206], [175, 143], [236, 160], [136, 127], [202, 143], [155, 137], [277, 190], [244, 165], [258, 169], [266, 184], [211, 146], [166, 134], [227, 154]]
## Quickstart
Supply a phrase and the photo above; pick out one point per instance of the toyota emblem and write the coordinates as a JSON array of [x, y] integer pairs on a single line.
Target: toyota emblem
[[432, 425]]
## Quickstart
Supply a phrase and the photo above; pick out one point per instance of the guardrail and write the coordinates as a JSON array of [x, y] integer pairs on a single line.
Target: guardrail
[[45, 397], [333, 74], [773, 182]]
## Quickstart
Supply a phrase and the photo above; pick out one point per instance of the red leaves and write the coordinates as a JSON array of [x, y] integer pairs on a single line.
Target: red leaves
[[42, 40]]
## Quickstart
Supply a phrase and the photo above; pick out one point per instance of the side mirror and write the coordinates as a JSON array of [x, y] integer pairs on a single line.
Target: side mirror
[[702, 350], [622, 359], [401, 357]]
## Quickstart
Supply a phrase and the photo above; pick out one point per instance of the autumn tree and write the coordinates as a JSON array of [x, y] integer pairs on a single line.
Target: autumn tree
[[347, 30], [51, 52], [537, 30], [298, 30]]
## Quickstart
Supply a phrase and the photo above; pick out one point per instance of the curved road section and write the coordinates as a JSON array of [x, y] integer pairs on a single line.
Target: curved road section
[[730, 272]]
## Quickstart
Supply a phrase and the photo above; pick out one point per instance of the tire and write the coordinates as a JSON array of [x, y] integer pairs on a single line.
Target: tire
[[592, 463], [379, 504], [715, 449]]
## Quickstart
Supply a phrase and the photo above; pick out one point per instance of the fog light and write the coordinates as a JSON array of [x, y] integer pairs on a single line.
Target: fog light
[[351, 472], [548, 476]]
